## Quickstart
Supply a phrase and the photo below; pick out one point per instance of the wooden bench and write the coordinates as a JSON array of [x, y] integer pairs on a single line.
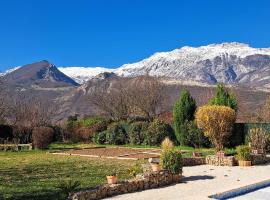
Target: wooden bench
[[15, 147]]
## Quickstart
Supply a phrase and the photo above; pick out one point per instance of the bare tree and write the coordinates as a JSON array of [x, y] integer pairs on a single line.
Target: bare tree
[[112, 99], [29, 111], [4, 108], [147, 96], [140, 96]]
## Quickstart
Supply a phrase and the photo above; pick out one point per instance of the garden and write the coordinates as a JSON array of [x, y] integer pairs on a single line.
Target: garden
[[82, 152]]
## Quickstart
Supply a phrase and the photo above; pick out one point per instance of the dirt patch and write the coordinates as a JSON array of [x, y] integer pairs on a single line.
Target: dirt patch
[[117, 152]]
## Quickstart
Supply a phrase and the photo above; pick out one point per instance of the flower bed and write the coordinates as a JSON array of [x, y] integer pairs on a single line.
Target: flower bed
[[141, 182]]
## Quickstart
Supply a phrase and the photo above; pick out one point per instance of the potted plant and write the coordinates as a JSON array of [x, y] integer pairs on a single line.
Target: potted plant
[[172, 161], [155, 167], [112, 178], [243, 155]]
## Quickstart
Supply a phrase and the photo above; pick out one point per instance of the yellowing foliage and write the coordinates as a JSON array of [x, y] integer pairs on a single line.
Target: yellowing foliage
[[167, 144], [216, 122]]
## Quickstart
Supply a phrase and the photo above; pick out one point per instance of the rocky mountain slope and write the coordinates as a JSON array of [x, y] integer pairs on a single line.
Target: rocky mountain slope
[[230, 63], [38, 75]]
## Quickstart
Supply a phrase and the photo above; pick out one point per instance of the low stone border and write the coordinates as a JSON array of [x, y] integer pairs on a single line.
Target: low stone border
[[220, 161], [258, 159], [194, 161], [141, 182]]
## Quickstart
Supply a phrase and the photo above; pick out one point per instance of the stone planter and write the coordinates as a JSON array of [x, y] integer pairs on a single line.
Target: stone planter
[[220, 154], [257, 151], [155, 167], [244, 163], [176, 178], [112, 179]]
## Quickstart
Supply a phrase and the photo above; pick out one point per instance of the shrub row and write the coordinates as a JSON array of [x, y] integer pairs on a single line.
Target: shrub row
[[137, 133]]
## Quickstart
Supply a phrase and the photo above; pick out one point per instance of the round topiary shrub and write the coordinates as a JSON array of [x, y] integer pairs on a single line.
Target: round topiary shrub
[[157, 132], [116, 134], [99, 138], [172, 160], [42, 137], [136, 132]]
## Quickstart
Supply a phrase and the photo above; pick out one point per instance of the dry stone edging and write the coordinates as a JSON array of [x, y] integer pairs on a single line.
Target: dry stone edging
[[144, 181]]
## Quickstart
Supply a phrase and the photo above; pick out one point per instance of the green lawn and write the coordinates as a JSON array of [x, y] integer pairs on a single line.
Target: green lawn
[[36, 174]]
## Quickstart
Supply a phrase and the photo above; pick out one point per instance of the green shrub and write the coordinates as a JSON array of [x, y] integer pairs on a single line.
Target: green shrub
[[67, 187], [183, 111], [136, 132], [116, 134], [89, 122], [243, 153], [195, 136], [100, 138], [172, 160], [157, 132], [135, 169]]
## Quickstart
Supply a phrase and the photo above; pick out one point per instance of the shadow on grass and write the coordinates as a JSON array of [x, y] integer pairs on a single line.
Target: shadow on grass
[[37, 195], [195, 178]]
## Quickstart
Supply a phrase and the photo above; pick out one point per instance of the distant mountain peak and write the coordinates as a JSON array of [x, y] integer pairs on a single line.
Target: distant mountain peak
[[41, 74]]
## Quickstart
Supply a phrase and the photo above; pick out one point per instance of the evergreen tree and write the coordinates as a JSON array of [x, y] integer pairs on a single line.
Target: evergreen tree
[[224, 98], [183, 112]]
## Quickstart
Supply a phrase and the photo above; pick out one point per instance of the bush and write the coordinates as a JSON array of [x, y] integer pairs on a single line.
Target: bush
[[136, 132], [135, 169], [157, 132], [195, 137], [217, 123], [166, 144], [258, 138], [172, 160], [183, 112], [86, 133], [116, 134], [42, 137], [100, 138], [91, 121], [243, 153]]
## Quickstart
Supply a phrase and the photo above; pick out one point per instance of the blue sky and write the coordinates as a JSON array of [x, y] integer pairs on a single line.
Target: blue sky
[[110, 33]]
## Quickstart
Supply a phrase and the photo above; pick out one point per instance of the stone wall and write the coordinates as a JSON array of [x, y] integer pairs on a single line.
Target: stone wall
[[258, 159], [193, 161], [220, 161], [141, 182]]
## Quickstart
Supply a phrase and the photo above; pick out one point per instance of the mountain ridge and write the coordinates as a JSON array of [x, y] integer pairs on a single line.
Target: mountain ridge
[[231, 63]]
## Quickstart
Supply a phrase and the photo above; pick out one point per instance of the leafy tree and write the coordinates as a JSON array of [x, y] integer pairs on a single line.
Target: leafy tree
[[224, 98], [217, 123], [183, 111]]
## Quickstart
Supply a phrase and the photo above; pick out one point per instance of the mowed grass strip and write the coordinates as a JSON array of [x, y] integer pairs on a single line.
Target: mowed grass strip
[[35, 174]]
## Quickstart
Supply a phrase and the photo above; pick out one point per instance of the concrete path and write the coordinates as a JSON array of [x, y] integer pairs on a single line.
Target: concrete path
[[202, 181]]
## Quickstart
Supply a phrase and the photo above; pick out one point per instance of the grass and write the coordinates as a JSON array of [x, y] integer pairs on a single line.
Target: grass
[[36, 174]]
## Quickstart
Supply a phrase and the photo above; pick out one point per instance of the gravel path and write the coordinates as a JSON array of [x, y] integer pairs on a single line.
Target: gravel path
[[201, 181]]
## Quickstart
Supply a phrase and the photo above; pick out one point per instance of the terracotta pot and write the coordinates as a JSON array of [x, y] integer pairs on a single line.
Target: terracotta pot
[[112, 179], [155, 167], [244, 163]]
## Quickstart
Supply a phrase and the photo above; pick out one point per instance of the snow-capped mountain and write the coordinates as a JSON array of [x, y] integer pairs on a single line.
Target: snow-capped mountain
[[9, 71], [231, 63], [83, 74]]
